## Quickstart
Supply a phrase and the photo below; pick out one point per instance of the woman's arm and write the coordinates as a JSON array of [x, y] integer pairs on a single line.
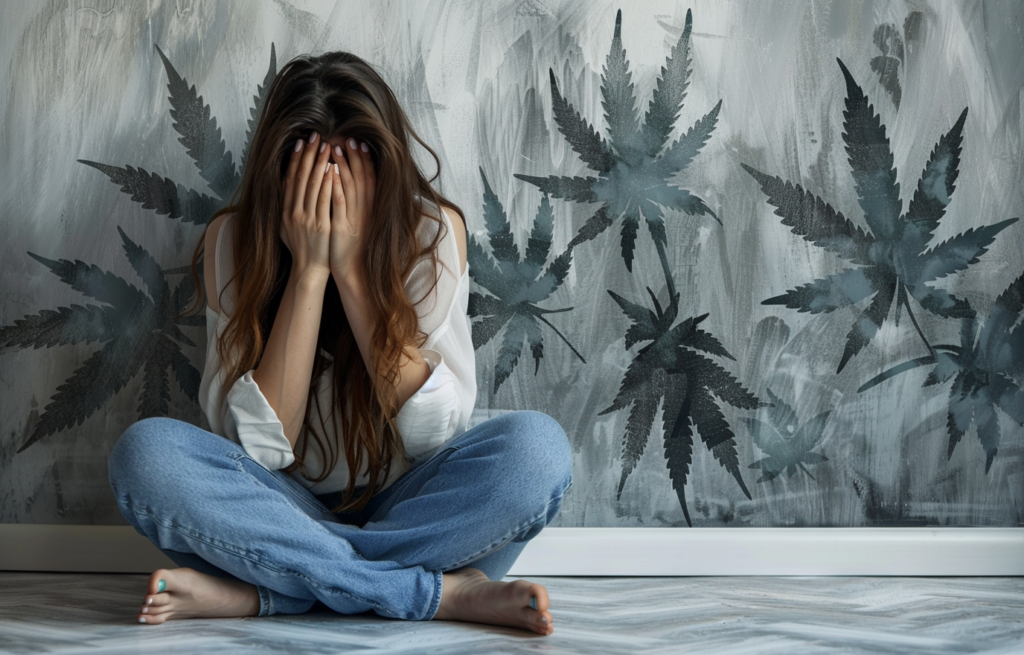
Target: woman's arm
[[353, 204], [284, 371], [413, 369]]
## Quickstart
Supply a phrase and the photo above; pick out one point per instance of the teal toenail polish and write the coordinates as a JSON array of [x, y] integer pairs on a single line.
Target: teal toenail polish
[[163, 585], [533, 602]]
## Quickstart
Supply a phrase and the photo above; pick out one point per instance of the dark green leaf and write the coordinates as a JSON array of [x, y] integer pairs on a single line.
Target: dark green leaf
[[587, 143], [938, 181], [199, 133], [868, 323], [160, 194], [870, 158], [639, 424], [146, 267], [101, 285], [66, 325], [678, 436], [618, 99], [812, 218], [828, 294], [682, 151], [570, 188], [539, 245], [669, 93], [511, 346], [102, 375]]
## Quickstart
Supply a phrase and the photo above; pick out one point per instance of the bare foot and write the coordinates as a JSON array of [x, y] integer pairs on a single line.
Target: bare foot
[[189, 594], [469, 595]]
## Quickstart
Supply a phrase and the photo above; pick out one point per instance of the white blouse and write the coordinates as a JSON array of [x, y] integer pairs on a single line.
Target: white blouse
[[439, 411]]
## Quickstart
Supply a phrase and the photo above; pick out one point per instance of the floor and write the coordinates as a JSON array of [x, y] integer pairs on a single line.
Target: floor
[[95, 613]]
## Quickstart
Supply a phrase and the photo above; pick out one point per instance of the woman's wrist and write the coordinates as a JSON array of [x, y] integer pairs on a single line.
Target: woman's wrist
[[312, 278], [347, 277]]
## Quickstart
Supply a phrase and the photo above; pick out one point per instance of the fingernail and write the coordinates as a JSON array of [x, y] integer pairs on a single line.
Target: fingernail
[[336, 171], [327, 169], [312, 137], [338, 151], [365, 147], [298, 145], [163, 585], [533, 602], [323, 145], [142, 619], [352, 144]]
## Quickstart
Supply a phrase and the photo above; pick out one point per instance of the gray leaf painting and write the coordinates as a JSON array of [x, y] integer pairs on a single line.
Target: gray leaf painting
[[809, 312]]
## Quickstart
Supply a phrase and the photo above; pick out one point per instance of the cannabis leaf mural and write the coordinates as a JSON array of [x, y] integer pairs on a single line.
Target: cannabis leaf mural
[[202, 139], [896, 261], [517, 284], [674, 366], [632, 168], [138, 329], [788, 444], [138, 332], [982, 367]]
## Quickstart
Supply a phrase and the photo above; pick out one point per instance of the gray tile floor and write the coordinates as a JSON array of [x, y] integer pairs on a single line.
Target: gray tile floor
[[95, 613]]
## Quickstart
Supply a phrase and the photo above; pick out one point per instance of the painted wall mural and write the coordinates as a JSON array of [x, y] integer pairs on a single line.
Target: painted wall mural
[[635, 176]]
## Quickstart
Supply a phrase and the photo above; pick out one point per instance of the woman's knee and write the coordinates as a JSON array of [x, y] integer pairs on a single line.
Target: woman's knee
[[540, 443], [144, 447]]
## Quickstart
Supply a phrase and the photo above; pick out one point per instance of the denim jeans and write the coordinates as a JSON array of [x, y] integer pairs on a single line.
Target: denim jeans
[[474, 502]]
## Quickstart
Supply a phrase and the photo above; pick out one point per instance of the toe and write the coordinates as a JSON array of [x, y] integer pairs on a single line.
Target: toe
[[159, 581], [157, 600]]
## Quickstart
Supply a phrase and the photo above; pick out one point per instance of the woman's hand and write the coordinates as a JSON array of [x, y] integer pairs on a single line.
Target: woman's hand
[[352, 207], [306, 219]]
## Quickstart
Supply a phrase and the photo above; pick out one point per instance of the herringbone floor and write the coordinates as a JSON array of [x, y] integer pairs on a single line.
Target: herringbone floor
[[95, 613]]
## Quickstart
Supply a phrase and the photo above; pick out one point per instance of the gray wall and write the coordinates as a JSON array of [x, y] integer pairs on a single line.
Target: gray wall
[[83, 81]]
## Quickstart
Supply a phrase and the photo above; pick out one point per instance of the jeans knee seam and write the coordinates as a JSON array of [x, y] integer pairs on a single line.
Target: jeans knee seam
[[206, 540]]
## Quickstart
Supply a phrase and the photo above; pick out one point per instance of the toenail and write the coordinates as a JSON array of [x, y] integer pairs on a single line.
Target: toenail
[[145, 610], [163, 585], [149, 602], [533, 602], [142, 619], [543, 619]]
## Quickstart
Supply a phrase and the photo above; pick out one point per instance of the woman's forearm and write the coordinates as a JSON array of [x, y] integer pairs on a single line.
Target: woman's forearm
[[284, 371], [413, 369]]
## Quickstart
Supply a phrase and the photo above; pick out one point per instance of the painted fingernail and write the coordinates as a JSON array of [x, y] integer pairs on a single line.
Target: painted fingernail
[[352, 144], [336, 171], [312, 137], [298, 145], [365, 147], [327, 169], [338, 151], [533, 602], [323, 145], [142, 619], [161, 587]]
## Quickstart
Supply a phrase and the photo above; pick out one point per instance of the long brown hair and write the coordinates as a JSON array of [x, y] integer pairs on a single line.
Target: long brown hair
[[334, 94]]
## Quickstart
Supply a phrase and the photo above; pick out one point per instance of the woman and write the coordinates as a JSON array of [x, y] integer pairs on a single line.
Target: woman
[[338, 278]]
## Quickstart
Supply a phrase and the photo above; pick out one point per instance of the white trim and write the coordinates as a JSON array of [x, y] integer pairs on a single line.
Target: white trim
[[611, 551]]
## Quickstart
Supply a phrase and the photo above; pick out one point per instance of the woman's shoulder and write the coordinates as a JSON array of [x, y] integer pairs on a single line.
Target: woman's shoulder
[[216, 259]]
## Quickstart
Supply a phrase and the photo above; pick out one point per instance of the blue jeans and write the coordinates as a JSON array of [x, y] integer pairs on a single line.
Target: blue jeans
[[475, 502]]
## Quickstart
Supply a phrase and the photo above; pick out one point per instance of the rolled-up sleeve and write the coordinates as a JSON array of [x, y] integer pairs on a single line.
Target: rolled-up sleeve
[[431, 415], [241, 413], [252, 422]]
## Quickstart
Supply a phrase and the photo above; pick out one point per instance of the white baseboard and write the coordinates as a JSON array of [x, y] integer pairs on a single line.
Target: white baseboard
[[611, 551]]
